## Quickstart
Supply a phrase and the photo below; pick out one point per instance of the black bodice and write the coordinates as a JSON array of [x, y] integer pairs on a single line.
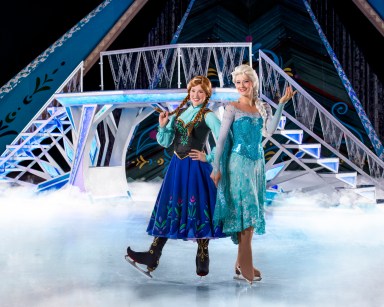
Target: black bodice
[[183, 143]]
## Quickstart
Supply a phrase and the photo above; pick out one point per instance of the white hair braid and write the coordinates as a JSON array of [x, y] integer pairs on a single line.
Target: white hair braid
[[261, 107]]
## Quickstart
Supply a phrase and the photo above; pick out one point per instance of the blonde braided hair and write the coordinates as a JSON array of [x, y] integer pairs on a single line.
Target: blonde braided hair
[[206, 85]]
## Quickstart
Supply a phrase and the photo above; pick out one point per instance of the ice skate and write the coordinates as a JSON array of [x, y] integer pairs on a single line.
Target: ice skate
[[239, 276], [132, 262], [202, 258], [150, 259]]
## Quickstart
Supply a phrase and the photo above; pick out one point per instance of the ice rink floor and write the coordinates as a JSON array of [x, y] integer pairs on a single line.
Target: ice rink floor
[[66, 249]]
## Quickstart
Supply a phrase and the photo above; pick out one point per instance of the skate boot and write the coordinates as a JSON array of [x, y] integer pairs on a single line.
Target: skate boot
[[150, 258], [239, 276], [202, 257]]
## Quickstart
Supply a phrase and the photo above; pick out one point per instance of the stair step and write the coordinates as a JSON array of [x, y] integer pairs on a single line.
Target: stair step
[[33, 146], [331, 164], [40, 121], [295, 136], [55, 183], [18, 158], [49, 124], [311, 149], [369, 192], [349, 178], [28, 134]]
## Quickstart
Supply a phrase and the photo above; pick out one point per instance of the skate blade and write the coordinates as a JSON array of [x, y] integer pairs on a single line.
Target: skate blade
[[201, 279], [241, 278], [133, 263]]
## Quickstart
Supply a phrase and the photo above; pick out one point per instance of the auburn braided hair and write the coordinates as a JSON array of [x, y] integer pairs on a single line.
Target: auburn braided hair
[[206, 85]]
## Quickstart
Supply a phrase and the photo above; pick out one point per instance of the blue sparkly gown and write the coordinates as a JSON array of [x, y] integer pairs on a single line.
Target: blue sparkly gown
[[240, 157]]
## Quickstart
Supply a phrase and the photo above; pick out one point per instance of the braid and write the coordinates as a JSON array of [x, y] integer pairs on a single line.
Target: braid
[[182, 104], [198, 116], [261, 108], [177, 110]]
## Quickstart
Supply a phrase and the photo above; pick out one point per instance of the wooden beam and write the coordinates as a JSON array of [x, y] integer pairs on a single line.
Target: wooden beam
[[371, 14], [116, 30]]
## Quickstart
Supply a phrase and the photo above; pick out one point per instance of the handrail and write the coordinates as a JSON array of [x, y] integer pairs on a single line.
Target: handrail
[[352, 142]]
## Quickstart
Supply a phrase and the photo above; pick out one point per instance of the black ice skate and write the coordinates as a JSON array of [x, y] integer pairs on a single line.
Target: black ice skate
[[202, 257], [150, 258]]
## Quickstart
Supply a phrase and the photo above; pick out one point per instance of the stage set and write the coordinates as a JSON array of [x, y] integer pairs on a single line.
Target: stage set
[[81, 169]]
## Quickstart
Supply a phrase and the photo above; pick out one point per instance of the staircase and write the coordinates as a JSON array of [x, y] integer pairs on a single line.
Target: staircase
[[41, 155], [295, 159]]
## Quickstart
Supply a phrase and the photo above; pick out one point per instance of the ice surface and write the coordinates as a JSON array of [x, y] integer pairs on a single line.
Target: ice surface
[[65, 248]]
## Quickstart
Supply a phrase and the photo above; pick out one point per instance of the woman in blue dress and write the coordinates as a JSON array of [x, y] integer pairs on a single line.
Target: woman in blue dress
[[185, 204], [238, 168]]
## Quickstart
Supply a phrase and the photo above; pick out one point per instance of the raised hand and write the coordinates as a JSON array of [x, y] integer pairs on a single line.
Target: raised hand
[[163, 118], [289, 93]]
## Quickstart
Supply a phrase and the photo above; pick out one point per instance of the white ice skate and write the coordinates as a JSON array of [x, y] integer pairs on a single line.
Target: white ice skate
[[239, 276]]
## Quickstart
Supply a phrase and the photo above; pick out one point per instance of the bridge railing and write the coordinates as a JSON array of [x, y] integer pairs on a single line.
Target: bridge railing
[[171, 66]]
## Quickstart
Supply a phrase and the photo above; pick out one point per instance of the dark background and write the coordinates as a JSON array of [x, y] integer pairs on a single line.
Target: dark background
[[28, 28]]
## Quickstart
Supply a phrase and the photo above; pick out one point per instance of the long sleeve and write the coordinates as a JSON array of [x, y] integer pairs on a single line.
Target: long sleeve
[[271, 122], [165, 135], [213, 122], [228, 117]]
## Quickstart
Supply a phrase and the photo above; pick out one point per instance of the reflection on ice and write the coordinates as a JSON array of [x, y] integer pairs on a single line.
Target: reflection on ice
[[65, 248]]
